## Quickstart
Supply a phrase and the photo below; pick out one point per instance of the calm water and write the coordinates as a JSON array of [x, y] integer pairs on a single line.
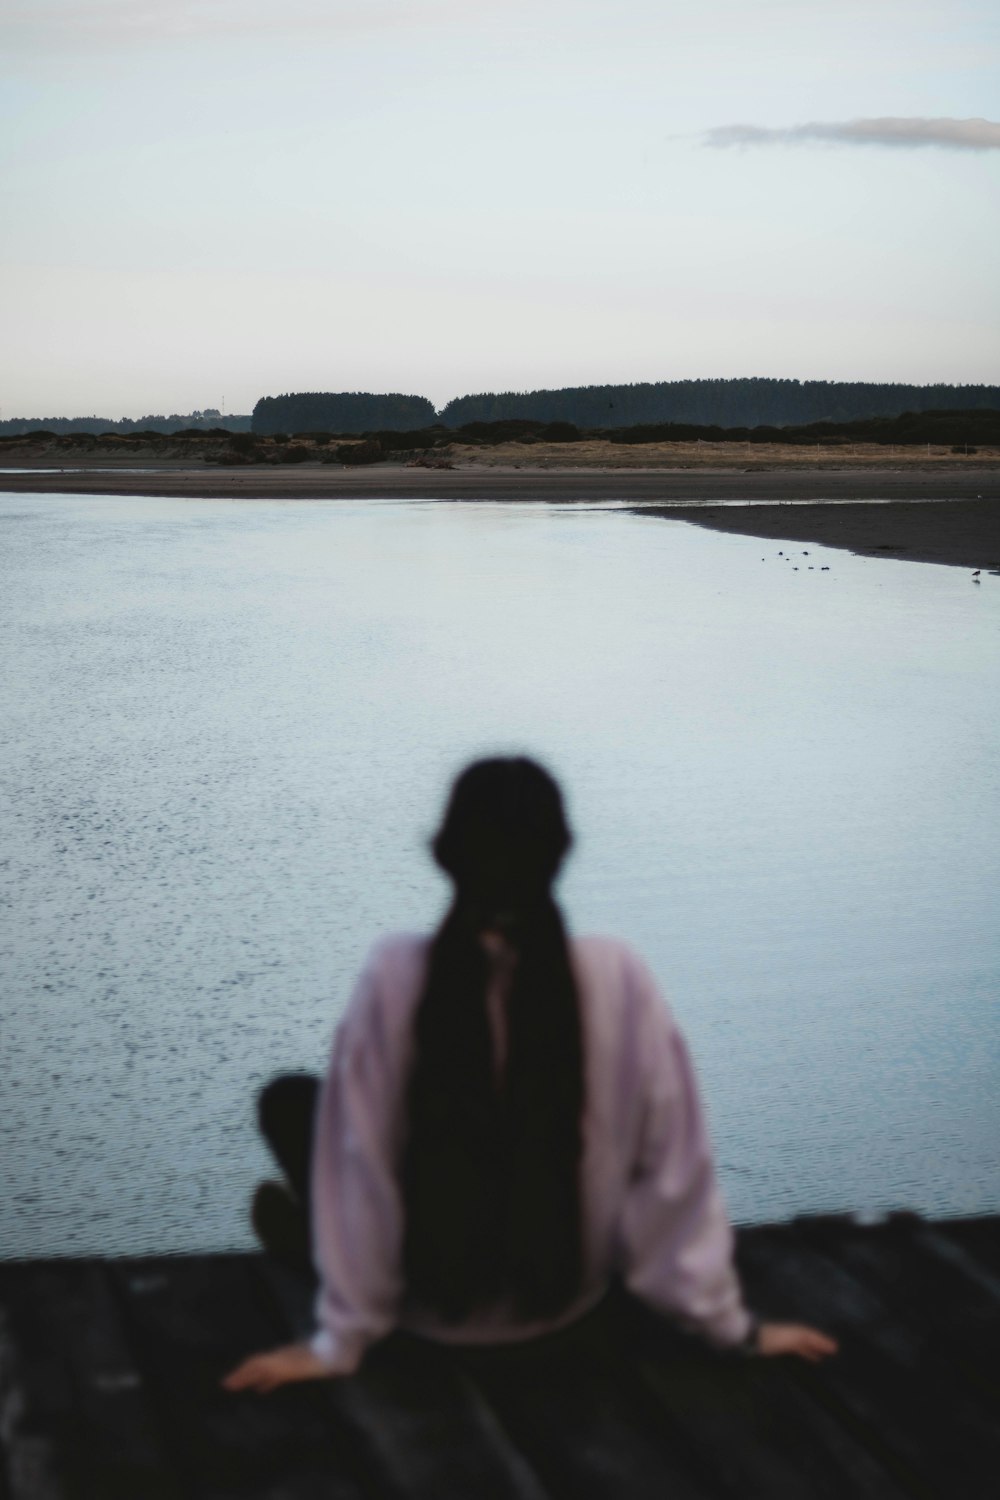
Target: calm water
[[226, 730]]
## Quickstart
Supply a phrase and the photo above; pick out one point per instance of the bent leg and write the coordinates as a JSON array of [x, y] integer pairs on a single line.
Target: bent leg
[[286, 1109]]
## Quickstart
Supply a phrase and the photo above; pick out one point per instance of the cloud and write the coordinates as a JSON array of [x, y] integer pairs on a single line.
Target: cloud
[[952, 135]]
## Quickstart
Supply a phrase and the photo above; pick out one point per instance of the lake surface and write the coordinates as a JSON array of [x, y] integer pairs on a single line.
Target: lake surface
[[226, 732]]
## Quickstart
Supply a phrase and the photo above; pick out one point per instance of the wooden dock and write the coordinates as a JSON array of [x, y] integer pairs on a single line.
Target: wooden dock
[[109, 1387]]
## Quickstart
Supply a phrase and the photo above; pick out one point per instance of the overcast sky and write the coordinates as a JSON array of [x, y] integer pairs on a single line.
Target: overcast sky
[[214, 200]]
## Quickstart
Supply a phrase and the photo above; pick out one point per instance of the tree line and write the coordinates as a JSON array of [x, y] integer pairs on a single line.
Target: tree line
[[721, 403], [195, 421], [345, 411], [728, 405]]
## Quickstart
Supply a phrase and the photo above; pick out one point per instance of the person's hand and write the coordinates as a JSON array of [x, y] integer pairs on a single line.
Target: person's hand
[[795, 1338], [266, 1372]]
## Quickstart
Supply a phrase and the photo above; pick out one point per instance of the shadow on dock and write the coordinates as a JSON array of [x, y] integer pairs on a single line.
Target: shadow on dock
[[109, 1387]]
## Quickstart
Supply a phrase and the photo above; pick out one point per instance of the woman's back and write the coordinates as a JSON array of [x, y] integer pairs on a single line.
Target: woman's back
[[650, 1209]]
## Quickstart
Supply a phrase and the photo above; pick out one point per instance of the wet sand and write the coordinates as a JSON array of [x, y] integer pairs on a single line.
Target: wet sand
[[935, 514], [962, 533]]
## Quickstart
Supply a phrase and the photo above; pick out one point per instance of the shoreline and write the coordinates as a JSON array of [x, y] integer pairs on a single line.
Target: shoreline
[[955, 533], [914, 513]]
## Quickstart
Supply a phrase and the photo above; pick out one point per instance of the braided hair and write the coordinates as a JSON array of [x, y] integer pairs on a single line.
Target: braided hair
[[490, 1169]]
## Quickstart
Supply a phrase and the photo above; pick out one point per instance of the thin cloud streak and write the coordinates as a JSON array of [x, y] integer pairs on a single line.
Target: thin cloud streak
[[908, 133]]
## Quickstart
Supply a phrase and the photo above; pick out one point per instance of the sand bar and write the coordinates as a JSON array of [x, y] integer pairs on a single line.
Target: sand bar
[[936, 513], [963, 533]]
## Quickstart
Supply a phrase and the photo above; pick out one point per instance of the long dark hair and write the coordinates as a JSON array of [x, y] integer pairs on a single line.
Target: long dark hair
[[490, 1170]]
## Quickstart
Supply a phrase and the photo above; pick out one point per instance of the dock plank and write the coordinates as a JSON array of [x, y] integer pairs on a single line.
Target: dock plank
[[426, 1433], [109, 1387], [909, 1406], [754, 1426], [30, 1465], [575, 1407], [925, 1279], [84, 1388], [420, 1426], [979, 1238], [190, 1322]]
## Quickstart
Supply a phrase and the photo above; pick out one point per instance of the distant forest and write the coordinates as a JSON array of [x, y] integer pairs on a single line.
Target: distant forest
[[348, 411], [195, 421], [725, 404], [719, 403]]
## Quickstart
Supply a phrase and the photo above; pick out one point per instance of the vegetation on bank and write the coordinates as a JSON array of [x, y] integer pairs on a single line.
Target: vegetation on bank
[[964, 432], [955, 428], [911, 427]]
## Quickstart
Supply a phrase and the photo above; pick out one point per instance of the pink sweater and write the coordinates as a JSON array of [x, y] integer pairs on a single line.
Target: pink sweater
[[651, 1208]]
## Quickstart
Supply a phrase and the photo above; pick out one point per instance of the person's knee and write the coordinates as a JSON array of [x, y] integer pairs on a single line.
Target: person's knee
[[290, 1096]]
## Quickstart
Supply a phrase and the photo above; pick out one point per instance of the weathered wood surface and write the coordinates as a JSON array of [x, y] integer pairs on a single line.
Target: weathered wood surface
[[109, 1387]]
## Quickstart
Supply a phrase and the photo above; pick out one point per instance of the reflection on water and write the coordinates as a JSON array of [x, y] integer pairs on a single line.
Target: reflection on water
[[226, 730]]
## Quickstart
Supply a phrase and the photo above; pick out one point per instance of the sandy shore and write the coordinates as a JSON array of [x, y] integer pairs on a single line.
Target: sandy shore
[[963, 533], [489, 479], [937, 513]]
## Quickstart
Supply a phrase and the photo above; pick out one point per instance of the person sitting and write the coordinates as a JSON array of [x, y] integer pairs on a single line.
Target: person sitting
[[510, 1122]]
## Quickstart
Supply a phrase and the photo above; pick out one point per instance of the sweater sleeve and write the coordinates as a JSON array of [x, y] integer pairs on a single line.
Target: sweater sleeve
[[676, 1238], [357, 1216]]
